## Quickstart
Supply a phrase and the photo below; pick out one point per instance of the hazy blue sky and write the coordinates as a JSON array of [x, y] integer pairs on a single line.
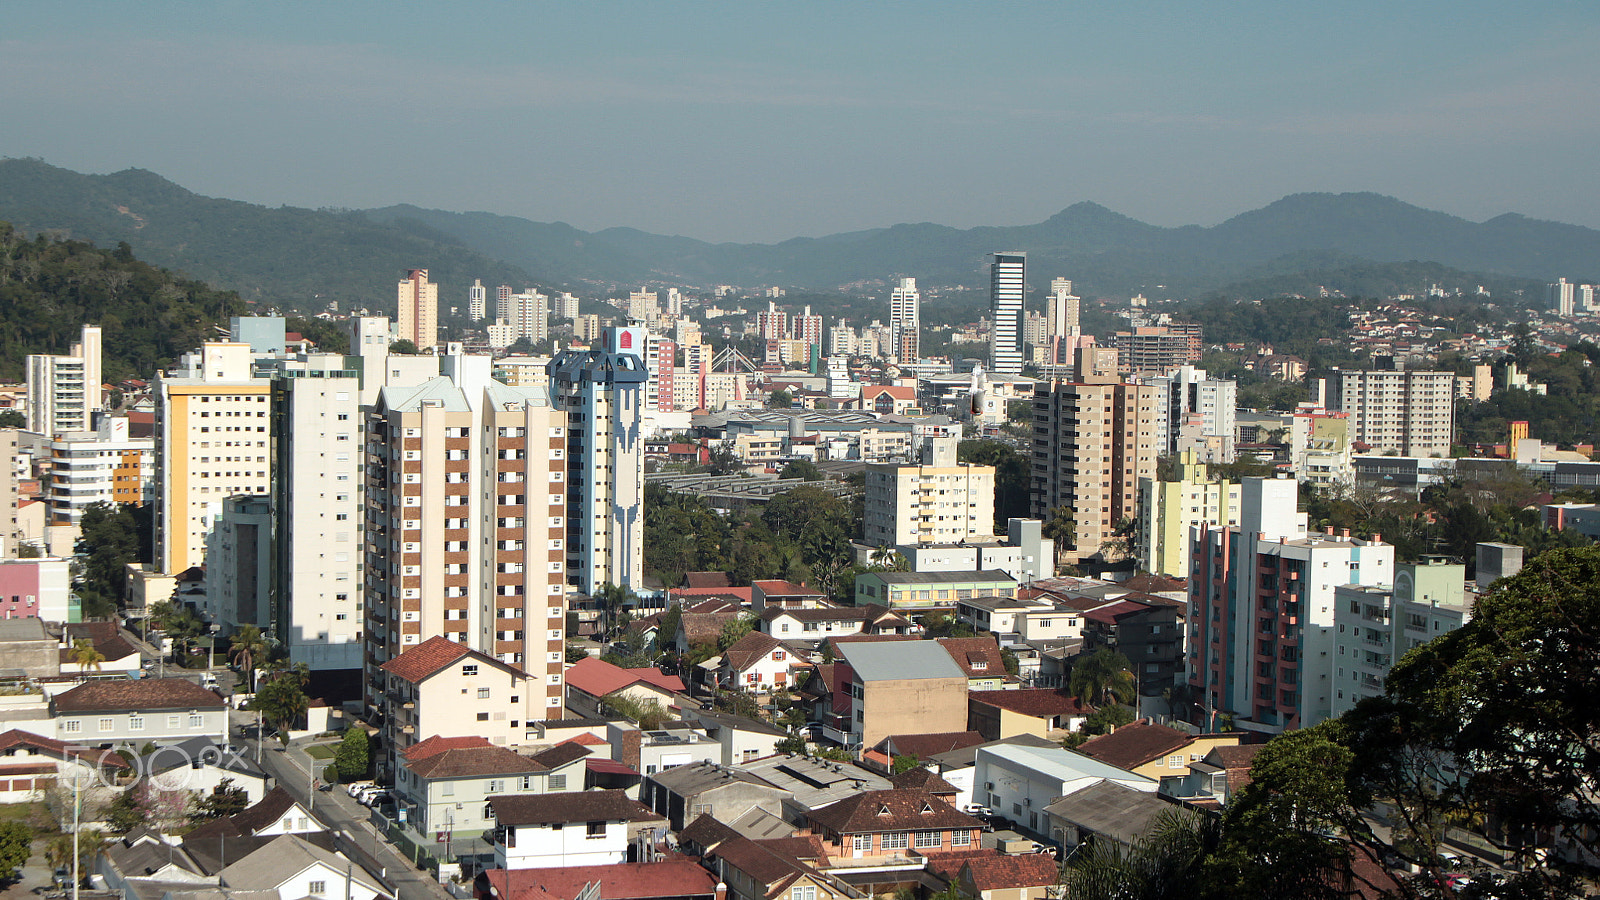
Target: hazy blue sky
[[755, 121]]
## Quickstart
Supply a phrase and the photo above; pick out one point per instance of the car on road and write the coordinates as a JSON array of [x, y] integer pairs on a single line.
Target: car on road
[[356, 787]]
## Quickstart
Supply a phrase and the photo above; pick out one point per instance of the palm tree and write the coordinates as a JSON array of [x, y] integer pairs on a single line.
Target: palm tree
[[83, 653], [247, 648], [1103, 677], [1165, 863]]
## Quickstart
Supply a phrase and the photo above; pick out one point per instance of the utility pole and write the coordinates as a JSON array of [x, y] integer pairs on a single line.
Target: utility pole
[[76, 806]]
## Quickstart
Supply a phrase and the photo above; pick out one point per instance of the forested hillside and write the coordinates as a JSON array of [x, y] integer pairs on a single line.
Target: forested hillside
[[51, 288]]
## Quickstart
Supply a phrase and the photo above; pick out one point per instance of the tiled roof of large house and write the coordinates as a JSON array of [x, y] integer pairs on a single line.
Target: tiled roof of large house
[[705, 628], [117, 695], [469, 762], [426, 658], [437, 744], [707, 580], [779, 588], [1135, 744], [266, 811], [707, 832], [749, 650], [891, 810], [923, 746], [598, 678], [619, 881], [1007, 871], [15, 738], [105, 636], [979, 657], [571, 806], [561, 754], [1033, 701], [770, 867], [917, 778]]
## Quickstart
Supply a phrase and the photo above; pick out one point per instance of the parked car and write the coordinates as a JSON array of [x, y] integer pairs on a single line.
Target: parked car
[[356, 787]]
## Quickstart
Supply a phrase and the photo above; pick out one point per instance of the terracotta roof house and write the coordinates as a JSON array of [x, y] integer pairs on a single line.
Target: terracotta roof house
[[116, 711], [1037, 711], [450, 784], [891, 823], [668, 879], [920, 779], [1213, 779], [707, 580], [818, 623], [981, 659], [787, 594], [767, 870], [119, 655], [30, 762], [441, 687], [756, 662], [1155, 751], [591, 680], [276, 813], [703, 623], [988, 875]]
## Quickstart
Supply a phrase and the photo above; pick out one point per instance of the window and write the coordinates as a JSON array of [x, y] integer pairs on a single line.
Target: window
[[960, 838], [1176, 761], [483, 717], [558, 783], [496, 786], [173, 722], [483, 693], [196, 720], [896, 840], [861, 842], [71, 726], [595, 830], [136, 723], [317, 888], [469, 670], [106, 724], [803, 892], [447, 789], [930, 839]]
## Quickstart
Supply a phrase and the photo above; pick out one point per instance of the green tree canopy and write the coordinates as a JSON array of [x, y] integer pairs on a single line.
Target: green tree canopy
[[352, 757], [1103, 677]]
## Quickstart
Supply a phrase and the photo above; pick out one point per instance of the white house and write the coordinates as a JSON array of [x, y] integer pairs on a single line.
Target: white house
[[295, 868], [442, 687], [445, 783], [30, 763], [1018, 782], [580, 828], [199, 765], [756, 662]]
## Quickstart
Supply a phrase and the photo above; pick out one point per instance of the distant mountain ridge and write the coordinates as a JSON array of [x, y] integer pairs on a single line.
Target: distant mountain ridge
[[305, 257]]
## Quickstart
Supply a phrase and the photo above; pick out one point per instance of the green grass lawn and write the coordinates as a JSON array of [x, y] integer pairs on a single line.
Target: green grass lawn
[[35, 814], [320, 751]]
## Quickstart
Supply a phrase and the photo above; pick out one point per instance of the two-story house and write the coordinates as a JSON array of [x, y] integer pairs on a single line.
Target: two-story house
[[980, 658], [442, 687], [1043, 712], [446, 786], [1155, 751], [756, 662], [740, 739], [785, 594], [31, 762], [821, 622], [102, 713], [1020, 619], [892, 823], [577, 828]]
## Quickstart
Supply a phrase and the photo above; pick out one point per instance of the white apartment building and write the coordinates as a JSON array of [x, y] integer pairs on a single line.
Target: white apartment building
[[940, 501], [316, 503], [1197, 413], [527, 314], [1403, 412], [1376, 624], [1007, 287], [466, 524], [101, 466], [477, 301], [602, 393], [905, 320], [64, 391], [213, 441], [1262, 605]]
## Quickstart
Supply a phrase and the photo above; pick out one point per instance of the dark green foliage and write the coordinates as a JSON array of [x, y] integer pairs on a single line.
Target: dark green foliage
[[1010, 477], [353, 755], [125, 813], [49, 289], [800, 468], [329, 337], [226, 800], [904, 763], [110, 537], [1568, 413], [282, 700], [1103, 678], [739, 703], [404, 347], [10, 418], [16, 845], [780, 399]]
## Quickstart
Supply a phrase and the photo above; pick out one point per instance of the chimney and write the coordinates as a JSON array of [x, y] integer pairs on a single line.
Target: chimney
[[628, 751], [1344, 533]]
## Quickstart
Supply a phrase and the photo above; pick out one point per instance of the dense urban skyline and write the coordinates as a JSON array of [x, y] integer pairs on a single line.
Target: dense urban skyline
[[764, 122]]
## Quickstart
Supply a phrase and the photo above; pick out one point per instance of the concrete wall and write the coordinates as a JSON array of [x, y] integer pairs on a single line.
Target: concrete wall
[[912, 706]]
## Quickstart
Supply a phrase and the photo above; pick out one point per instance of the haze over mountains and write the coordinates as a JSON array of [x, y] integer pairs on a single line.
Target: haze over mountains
[[291, 255]]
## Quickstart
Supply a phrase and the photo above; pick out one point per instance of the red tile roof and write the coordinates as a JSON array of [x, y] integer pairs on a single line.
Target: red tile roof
[[919, 779], [132, 696], [1039, 702], [749, 650], [1135, 744], [709, 600], [707, 580], [598, 678], [780, 588], [893, 810], [426, 658], [571, 806], [474, 762], [621, 881], [979, 657], [923, 746], [60, 749], [1010, 871], [437, 744], [588, 740]]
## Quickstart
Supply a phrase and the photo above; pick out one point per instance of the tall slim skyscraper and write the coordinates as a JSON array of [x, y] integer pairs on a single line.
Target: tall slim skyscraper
[[64, 391], [1061, 315], [477, 300], [418, 302], [905, 319], [1007, 285], [602, 393]]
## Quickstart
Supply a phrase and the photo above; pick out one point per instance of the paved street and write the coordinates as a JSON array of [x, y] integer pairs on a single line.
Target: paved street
[[339, 813]]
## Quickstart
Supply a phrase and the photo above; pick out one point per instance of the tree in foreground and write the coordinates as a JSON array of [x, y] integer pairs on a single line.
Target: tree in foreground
[[353, 755], [1103, 677], [16, 845], [247, 648], [282, 701]]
